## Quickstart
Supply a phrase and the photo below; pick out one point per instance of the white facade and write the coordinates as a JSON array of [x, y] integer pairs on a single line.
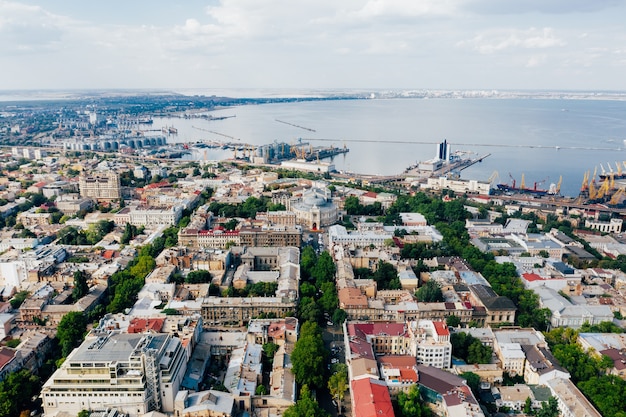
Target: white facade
[[133, 372]]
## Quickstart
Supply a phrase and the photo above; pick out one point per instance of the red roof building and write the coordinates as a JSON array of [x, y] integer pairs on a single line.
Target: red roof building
[[370, 398], [139, 325]]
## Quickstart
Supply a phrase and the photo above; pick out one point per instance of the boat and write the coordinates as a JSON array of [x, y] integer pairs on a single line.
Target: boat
[[506, 188]]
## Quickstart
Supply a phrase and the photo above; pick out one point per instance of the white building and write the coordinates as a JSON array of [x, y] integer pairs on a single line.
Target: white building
[[339, 235], [430, 343], [133, 372], [315, 209]]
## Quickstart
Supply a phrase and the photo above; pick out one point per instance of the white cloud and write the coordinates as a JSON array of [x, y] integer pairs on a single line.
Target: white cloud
[[494, 41]]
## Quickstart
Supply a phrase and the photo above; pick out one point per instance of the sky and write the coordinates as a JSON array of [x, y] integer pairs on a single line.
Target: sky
[[313, 44]]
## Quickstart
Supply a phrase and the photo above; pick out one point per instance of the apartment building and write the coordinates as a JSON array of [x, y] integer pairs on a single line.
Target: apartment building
[[101, 186], [135, 373]]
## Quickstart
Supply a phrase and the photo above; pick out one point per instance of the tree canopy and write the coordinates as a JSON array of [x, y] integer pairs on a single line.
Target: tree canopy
[[309, 356]]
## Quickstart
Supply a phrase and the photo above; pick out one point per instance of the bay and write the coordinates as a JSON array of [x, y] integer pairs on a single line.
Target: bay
[[543, 139]]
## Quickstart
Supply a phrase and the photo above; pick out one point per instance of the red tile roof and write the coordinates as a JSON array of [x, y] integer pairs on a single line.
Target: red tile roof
[[532, 277], [371, 398], [6, 355], [441, 328], [138, 325]]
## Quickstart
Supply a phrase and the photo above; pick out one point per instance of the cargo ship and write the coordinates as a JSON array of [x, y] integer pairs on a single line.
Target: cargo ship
[[506, 188], [522, 189]]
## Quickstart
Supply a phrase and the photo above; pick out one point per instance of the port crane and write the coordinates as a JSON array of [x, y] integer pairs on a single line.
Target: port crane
[[295, 125], [617, 197]]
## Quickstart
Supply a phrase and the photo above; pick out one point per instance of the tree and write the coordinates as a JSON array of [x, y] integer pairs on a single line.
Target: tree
[[411, 405], [200, 276], [71, 331], [324, 269], [80, 285], [430, 292], [473, 381], [309, 356], [306, 406], [549, 408], [528, 406], [338, 384], [386, 276], [269, 350], [16, 392], [339, 316], [478, 353], [453, 321]]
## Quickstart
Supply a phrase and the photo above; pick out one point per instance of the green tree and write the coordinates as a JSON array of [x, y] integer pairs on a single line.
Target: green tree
[[16, 392], [473, 381], [549, 408], [528, 406], [386, 276], [269, 350], [430, 292], [411, 405], [80, 285], [306, 406], [309, 356], [323, 270], [453, 321], [339, 316], [338, 384], [71, 331], [478, 353], [200, 276]]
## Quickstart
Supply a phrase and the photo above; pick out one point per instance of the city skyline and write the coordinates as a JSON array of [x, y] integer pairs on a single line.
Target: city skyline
[[226, 44]]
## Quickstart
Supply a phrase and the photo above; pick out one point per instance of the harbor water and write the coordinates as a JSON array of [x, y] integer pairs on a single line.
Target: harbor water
[[540, 138]]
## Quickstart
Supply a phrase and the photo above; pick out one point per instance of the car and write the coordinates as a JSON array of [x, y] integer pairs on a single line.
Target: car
[[334, 361], [330, 323]]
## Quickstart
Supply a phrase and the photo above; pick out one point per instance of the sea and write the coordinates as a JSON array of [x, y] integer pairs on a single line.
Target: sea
[[542, 140]]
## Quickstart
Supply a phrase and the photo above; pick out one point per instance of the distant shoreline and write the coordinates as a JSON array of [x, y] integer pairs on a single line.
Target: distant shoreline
[[277, 95]]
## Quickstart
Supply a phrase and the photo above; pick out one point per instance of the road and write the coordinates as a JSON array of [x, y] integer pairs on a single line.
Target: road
[[333, 340]]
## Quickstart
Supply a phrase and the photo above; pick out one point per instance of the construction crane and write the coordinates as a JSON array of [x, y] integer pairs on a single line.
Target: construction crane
[[604, 189], [619, 168], [592, 190], [493, 177], [616, 198], [294, 125], [585, 185]]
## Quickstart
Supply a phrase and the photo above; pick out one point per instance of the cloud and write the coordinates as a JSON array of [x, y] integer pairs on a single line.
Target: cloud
[[494, 41], [539, 6], [28, 29]]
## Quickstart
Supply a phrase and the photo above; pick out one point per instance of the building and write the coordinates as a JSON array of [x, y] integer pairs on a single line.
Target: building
[[101, 186], [136, 373], [270, 236], [612, 226], [430, 343], [370, 397], [572, 402], [458, 185], [204, 404], [149, 216], [71, 204], [315, 209]]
